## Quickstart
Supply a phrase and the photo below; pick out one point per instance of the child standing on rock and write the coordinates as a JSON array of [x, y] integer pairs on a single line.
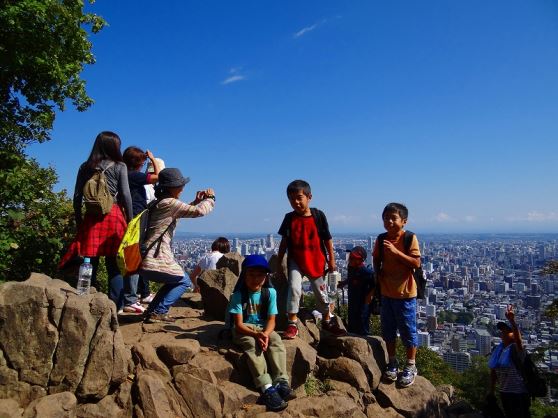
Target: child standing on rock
[[394, 266], [306, 239]]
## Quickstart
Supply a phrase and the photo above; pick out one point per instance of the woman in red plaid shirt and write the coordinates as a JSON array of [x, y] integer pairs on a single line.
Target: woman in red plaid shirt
[[100, 235]]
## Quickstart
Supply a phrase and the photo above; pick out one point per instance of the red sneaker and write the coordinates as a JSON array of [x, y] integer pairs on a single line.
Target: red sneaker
[[291, 332]]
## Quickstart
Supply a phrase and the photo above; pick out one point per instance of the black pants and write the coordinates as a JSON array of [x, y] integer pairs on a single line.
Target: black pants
[[516, 405]]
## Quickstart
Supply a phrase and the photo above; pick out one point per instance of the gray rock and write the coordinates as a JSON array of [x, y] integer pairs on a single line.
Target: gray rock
[[231, 261], [9, 408], [156, 399], [60, 405], [214, 362], [145, 358], [409, 401], [216, 287], [56, 341], [301, 361], [178, 352], [326, 406], [369, 352], [344, 369]]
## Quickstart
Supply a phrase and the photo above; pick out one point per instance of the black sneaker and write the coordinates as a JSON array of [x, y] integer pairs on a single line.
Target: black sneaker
[[285, 390], [272, 400]]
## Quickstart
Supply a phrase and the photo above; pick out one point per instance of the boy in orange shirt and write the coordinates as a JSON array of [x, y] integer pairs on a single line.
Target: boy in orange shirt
[[394, 266]]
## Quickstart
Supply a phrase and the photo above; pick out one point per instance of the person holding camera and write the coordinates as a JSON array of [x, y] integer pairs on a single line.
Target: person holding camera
[[159, 264]]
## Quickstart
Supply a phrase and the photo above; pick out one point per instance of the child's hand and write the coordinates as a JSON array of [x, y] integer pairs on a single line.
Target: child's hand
[[331, 267], [510, 314], [389, 247], [149, 155], [263, 340]]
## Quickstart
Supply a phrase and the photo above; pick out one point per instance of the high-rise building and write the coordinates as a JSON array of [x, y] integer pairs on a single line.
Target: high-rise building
[[423, 339], [431, 323], [484, 341], [459, 361], [270, 241]]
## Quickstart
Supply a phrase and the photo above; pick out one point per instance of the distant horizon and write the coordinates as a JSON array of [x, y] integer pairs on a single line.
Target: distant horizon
[[232, 235]]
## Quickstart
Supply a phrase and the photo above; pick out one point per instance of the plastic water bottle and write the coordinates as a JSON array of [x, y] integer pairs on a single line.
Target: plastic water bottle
[[84, 277]]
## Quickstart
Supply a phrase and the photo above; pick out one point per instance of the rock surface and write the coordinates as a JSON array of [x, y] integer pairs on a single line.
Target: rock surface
[[62, 355]]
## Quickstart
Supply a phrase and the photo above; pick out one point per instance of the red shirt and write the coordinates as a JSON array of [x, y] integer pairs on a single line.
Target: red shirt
[[305, 248]]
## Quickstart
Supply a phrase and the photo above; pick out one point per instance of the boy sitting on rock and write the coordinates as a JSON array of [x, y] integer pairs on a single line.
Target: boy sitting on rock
[[253, 309]]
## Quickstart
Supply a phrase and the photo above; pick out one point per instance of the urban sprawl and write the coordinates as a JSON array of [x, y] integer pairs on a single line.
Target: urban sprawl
[[471, 280]]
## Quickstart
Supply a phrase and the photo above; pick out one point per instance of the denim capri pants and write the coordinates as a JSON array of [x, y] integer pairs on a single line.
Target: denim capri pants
[[399, 314]]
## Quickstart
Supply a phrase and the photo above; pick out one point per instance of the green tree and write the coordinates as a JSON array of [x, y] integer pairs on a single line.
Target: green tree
[[35, 222], [44, 46], [473, 383]]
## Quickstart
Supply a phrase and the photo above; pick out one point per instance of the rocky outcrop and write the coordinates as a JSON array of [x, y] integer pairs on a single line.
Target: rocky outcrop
[[64, 355], [54, 341]]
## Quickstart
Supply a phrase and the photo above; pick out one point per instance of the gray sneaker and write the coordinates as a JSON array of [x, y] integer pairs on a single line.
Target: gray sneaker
[[391, 370], [407, 378]]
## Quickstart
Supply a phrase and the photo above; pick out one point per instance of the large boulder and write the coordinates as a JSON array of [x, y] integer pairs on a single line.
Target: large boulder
[[60, 405], [216, 287], [301, 361], [231, 261], [157, 399], [369, 352], [344, 369], [56, 341], [410, 401]]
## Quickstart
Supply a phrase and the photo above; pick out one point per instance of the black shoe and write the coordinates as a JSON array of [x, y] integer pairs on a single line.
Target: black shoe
[[285, 390], [272, 400]]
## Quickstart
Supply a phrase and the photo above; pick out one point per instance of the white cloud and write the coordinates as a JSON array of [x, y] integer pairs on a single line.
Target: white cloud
[[443, 217], [308, 29], [535, 216], [234, 77], [305, 30]]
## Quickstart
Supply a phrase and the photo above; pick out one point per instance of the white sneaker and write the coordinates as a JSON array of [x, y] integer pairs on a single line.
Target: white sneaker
[[148, 299], [135, 308]]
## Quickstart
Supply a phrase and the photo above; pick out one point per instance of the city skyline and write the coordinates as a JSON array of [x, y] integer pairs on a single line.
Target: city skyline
[[446, 107]]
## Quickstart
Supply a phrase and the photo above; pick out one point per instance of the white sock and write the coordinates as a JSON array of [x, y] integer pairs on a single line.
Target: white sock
[[266, 387]]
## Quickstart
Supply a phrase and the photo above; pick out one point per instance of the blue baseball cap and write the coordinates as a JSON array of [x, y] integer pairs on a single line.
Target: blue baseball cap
[[255, 260]]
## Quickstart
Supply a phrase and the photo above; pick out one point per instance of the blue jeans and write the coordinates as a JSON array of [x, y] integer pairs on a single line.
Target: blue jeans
[[399, 314], [173, 288], [116, 282], [131, 289]]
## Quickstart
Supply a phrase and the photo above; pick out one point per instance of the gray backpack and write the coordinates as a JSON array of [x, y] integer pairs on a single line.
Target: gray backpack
[[96, 194]]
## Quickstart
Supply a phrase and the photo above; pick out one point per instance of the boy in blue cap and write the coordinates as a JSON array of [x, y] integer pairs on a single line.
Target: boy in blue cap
[[253, 309]]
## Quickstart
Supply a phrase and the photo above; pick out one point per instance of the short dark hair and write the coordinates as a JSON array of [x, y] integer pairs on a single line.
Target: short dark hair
[[222, 245], [399, 208], [134, 157], [298, 185]]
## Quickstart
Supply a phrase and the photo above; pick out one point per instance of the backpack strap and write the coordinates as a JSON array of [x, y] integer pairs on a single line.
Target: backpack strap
[[321, 222], [407, 241], [159, 240]]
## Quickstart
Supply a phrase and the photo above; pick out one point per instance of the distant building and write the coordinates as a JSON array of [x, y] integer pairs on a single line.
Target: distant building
[[484, 341], [459, 361], [423, 339]]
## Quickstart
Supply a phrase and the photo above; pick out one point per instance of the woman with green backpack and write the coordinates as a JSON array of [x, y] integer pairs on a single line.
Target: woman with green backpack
[[102, 189]]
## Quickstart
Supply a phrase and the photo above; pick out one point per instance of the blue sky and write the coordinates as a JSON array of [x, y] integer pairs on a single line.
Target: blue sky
[[450, 107]]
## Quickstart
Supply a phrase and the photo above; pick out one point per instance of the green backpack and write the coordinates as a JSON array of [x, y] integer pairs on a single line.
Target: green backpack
[[96, 194]]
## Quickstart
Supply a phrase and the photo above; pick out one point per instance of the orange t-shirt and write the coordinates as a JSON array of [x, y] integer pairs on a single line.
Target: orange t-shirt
[[396, 277]]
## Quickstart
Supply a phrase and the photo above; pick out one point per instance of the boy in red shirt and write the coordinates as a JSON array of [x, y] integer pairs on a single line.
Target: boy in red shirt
[[306, 239]]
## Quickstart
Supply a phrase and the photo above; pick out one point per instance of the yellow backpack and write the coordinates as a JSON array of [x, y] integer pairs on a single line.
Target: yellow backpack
[[132, 249]]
